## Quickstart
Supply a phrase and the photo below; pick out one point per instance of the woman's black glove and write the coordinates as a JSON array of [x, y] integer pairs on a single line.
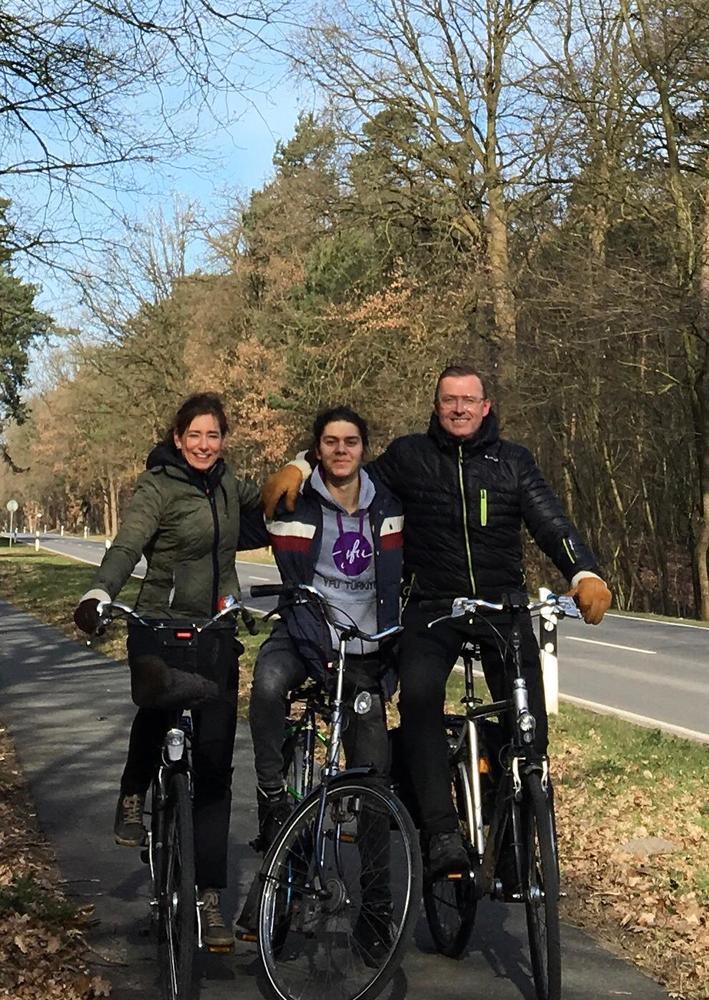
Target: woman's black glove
[[86, 612]]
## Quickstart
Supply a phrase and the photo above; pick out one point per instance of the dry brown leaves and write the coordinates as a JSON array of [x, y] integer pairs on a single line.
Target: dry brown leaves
[[647, 907], [41, 935]]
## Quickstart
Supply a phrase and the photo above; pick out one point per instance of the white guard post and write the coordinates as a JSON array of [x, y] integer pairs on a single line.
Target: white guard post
[[548, 650]]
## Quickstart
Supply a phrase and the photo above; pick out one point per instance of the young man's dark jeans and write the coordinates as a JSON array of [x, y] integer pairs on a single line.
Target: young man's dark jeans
[[426, 658], [279, 669]]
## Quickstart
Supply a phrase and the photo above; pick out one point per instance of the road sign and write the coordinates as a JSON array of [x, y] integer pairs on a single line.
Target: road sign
[[12, 506]]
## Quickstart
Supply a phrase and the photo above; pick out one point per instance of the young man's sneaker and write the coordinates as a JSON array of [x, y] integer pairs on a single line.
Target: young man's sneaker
[[128, 825], [372, 935], [447, 853], [215, 934], [274, 808]]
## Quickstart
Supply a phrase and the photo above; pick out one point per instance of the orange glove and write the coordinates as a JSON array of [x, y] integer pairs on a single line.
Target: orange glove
[[592, 597], [284, 483]]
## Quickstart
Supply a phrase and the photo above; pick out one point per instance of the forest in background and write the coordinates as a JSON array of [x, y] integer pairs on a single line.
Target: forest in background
[[519, 185]]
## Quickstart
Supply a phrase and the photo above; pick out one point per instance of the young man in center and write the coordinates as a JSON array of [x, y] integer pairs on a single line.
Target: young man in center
[[345, 538]]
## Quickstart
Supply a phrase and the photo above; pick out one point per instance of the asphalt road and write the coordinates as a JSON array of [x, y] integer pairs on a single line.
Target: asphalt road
[[651, 672], [68, 710]]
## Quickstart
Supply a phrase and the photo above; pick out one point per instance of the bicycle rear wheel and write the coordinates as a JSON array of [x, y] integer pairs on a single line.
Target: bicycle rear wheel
[[449, 900], [346, 941], [541, 889], [177, 903]]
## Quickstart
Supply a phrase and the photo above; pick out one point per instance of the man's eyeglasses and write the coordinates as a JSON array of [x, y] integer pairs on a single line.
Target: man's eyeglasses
[[460, 402]]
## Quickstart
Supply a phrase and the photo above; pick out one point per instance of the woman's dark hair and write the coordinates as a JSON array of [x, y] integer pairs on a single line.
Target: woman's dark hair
[[326, 417], [197, 405]]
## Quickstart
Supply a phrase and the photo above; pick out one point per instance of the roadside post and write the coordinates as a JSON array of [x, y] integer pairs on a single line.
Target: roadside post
[[548, 652]]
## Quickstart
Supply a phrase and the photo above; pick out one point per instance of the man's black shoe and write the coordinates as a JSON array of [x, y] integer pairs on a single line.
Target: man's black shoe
[[274, 808], [373, 936], [447, 853]]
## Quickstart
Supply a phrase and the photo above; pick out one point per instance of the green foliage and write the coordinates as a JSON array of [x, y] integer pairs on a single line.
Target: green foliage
[[20, 326], [25, 895]]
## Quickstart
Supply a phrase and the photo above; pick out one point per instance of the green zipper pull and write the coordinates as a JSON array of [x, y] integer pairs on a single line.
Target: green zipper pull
[[483, 508]]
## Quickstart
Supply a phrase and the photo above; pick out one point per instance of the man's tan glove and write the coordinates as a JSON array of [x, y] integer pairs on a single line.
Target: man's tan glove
[[284, 483], [593, 598]]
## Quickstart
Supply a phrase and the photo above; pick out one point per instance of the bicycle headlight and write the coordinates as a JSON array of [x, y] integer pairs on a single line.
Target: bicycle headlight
[[363, 703], [526, 726], [175, 744]]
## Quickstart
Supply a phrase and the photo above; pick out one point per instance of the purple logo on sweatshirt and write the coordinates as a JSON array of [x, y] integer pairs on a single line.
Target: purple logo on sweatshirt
[[351, 552]]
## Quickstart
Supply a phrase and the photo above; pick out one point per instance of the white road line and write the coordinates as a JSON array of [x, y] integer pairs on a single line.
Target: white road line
[[639, 720], [653, 621], [613, 645], [621, 713]]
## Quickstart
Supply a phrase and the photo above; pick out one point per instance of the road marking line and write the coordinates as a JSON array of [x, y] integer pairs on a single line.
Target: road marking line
[[654, 621], [639, 720], [613, 645]]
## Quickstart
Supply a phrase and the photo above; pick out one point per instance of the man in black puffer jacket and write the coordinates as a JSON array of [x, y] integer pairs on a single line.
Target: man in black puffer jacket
[[466, 494]]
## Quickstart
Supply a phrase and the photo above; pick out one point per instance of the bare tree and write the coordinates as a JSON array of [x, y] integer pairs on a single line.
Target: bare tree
[[92, 90], [455, 69]]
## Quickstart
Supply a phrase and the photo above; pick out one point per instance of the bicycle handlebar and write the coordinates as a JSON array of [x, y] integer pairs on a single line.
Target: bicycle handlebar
[[303, 593], [106, 612], [561, 605]]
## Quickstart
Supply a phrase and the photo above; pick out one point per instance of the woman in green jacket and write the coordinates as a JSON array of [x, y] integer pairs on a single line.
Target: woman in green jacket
[[184, 518]]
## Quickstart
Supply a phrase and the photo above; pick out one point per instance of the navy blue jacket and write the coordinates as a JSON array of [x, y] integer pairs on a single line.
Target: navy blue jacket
[[296, 539]]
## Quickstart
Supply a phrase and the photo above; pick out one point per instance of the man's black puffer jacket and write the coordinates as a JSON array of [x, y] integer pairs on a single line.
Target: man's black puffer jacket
[[464, 505]]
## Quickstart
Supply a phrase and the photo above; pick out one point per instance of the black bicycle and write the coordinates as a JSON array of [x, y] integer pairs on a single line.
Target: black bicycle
[[347, 861], [174, 903], [502, 793]]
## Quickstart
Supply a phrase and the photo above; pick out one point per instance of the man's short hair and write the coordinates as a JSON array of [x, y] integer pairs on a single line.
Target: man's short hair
[[458, 371], [326, 417]]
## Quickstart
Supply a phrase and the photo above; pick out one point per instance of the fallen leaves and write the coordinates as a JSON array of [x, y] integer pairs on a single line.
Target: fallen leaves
[[41, 944], [635, 863]]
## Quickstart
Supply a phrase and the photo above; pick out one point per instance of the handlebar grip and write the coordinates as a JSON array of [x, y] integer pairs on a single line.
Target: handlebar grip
[[267, 590], [249, 621], [439, 604]]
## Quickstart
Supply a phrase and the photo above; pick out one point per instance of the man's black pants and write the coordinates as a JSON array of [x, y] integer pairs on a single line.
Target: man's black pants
[[426, 658]]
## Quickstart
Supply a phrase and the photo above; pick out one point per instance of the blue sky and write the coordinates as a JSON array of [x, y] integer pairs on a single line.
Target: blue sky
[[235, 160]]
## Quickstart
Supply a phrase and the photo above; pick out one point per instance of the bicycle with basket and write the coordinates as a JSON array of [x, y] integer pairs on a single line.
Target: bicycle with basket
[[173, 897]]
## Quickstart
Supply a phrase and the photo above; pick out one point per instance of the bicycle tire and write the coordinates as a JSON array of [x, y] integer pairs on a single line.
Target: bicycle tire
[[450, 903], [372, 871], [177, 900], [541, 889]]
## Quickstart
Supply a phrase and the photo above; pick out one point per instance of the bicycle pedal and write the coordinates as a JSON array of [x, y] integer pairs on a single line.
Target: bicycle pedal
[[248, 937], [220, 949]]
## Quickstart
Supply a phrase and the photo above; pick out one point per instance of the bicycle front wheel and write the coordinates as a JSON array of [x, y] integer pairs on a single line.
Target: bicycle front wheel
[[541, 889], [341, 937], [449, 899], [177, 902]]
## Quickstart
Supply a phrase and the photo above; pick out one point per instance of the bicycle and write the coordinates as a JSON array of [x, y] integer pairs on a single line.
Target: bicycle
[[502, 794], [345, 862], [173, 899]]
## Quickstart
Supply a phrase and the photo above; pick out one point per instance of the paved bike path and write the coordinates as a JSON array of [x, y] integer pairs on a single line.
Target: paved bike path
[[68, 709]]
